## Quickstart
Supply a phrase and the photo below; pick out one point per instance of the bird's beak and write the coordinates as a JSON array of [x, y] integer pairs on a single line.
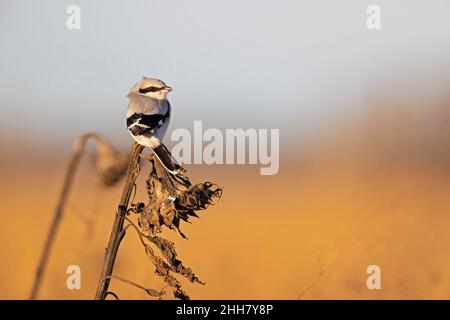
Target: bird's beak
[[167, 89]]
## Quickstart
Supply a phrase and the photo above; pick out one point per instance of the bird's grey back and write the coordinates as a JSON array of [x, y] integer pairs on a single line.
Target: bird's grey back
[[146, 105]]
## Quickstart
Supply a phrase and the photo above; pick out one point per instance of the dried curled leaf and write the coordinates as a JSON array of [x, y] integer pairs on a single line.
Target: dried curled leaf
[[167, 249], [163, 270]]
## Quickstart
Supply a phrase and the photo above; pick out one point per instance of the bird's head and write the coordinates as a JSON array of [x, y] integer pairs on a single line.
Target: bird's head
[[150, 87]]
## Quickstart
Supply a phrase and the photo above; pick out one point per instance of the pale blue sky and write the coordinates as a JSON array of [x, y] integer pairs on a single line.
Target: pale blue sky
[[292, 65]]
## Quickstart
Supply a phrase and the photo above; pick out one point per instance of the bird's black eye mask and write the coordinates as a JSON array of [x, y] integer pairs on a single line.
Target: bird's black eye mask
[[149, 89]]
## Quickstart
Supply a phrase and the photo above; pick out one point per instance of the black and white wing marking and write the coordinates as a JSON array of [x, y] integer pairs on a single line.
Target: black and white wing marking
[[140, 123]]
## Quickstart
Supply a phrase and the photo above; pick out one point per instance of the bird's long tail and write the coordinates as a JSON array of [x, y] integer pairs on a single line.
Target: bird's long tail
[[166, 159]]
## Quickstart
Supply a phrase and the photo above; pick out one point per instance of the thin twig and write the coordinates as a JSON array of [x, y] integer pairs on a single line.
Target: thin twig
[[117, 229], [322, 270], [113, 294], [58, 214], [149, 291], [139, 233]]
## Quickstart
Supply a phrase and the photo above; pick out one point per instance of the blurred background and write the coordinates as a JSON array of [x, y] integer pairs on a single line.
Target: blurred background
[[364, 119]]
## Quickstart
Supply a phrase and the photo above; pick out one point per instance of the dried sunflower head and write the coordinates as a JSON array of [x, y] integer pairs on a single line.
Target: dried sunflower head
[[111, 164]]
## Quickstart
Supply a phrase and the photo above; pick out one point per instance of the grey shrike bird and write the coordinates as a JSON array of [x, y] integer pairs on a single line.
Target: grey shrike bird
[[148, 117]]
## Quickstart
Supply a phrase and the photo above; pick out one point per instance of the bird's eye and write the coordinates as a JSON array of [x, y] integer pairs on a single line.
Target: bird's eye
[[148, 89]]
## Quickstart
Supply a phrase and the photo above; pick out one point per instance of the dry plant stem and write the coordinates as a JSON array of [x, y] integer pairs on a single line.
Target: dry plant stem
[[117, 231], [58, 214]]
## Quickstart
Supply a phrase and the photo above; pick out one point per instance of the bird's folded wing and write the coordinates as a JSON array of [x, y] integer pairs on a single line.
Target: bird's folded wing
[[139, 123]]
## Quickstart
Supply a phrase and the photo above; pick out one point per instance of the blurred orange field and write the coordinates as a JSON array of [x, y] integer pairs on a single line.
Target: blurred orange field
[[359, 101], [378, 197]]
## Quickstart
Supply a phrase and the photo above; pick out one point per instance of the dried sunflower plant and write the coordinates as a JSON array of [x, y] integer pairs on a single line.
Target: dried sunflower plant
[[109, 164], [171, 199]]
